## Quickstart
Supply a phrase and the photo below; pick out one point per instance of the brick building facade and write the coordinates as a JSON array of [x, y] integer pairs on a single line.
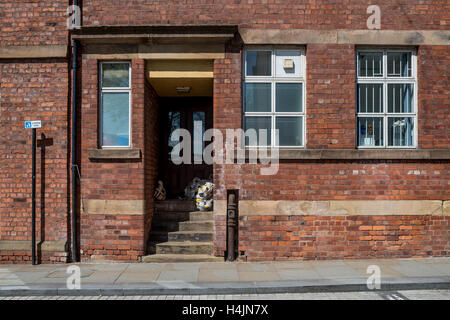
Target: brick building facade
[[342, 191]]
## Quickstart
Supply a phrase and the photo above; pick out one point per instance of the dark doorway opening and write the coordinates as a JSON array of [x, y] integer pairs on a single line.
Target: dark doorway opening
[[195, 114]]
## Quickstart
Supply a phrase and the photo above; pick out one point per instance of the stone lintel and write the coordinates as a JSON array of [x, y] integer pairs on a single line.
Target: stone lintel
[[343, 36], [159, 52], [30, 52]]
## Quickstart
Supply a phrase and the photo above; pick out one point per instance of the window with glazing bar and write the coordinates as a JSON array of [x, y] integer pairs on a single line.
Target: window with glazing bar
[[115, 104], [386, 99], [274, 96]]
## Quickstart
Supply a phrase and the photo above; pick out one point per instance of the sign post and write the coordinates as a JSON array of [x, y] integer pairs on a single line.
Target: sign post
[[33, 125]]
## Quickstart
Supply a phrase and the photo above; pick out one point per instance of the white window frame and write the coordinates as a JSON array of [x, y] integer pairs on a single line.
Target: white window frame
[[115, 90], [385, 81], [273, 79]]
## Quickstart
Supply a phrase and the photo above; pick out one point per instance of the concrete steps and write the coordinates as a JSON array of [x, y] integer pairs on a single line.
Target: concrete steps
[[181, 234], [196, 226], [165, 226], [191, 236], [185, 247], [160, 217], [201, 216]]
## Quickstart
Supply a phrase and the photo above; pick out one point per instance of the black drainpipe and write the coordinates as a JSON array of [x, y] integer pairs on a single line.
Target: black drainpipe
[[74, 250]]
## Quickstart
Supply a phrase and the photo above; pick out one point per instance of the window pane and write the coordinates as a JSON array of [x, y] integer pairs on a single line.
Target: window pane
[[290, 130], [287, 63], [400, 98], [259, 63], [370, 64], [289, 97], [399, 64], [370, 131], [258, 123], [370, 98], [258, 97], [173, 123], [115, 119], [199, 130], [400, 131], [115, 75]]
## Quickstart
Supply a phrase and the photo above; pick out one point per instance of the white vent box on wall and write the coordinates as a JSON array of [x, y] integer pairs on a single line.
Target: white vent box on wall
[[287, 63]]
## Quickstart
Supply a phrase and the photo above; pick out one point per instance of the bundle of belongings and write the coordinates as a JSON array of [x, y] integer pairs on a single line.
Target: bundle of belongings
[[202, 192], [160, 192]]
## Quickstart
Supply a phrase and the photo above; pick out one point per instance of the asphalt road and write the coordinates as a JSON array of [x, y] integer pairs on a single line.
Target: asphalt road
[[375, 295]]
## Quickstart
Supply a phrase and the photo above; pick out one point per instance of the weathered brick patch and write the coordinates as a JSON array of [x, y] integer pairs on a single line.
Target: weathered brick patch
[[343, 237], [13, 257], [112, 237]]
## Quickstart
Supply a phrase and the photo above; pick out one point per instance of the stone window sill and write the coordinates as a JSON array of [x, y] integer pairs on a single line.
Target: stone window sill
[[119, 154], [360, 154]]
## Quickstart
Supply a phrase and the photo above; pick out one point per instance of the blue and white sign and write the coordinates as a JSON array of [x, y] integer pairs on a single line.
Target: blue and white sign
[[33, 124]]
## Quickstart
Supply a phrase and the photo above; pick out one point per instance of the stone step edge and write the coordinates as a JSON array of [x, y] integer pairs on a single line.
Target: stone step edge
[[173, 257], [190, 232], [186, 243]]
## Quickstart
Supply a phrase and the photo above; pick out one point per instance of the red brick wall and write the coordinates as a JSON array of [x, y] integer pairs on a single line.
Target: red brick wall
[[33, 22], [343, 237], [40, 89], [31, 90], [330, 96], [227, 114], [316, 14], [151, 152], [18, 257], [115, 180], [342, 180], [330, 109], [112, 237], [434, 92], [124, 236], [34, 89]]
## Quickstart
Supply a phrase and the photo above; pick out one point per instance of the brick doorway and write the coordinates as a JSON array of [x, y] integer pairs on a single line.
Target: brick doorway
[[193, 114]]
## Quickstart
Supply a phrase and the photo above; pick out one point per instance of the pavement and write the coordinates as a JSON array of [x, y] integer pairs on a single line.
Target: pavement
[[224, 278]]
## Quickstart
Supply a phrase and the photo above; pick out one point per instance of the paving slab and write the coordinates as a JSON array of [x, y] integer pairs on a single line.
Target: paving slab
[[328, 272], [441, 269], [258, 276], [103, 276], [182, 266], [218, 265], [412, 270], [327, 263], [218, 275], [137, 277], [145, 267], [255, 267], [298, 274], [189, 275], [292, 265]]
